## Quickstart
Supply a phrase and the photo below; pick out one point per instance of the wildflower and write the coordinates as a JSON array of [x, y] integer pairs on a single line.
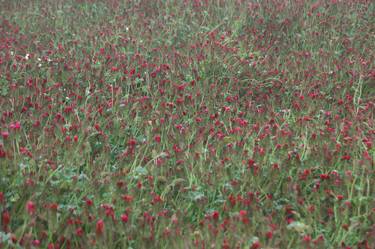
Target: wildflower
[[99, 227], [256, 245], [15, 126], [157, 139], [307, 238], [36, 243], [215, 215], [243, 216], [5, 219], [89, 202], [124, 218], [127, 198], [79, 231], [30, 207], [5, 134], [269, 235], [324, 176], [346, 157]]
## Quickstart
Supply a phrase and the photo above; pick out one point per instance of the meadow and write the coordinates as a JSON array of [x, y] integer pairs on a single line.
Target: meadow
[[187, 124]]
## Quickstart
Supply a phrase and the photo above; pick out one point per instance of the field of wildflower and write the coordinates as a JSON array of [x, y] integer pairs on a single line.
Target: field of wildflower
[[187, 124]]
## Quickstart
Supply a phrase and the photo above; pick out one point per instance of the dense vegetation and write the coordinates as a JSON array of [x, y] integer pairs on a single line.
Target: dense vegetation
[[187, 124]]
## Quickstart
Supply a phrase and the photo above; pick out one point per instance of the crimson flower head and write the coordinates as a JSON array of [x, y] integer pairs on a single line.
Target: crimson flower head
[[340, 197], [30, 207], [132, 142], [5, 219], [99, 227], [51, 246], [157, 138], [307, 238], [5, 134], [215, 215], [127, 198], [243, 213], [124, 218], [15, 126], [89, 202], [54, 206], [256, 245], [79, 231], [36, 243], [243, 216]]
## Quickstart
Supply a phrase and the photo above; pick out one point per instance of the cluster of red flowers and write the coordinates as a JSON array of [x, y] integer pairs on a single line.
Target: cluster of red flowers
[[197, 124]]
